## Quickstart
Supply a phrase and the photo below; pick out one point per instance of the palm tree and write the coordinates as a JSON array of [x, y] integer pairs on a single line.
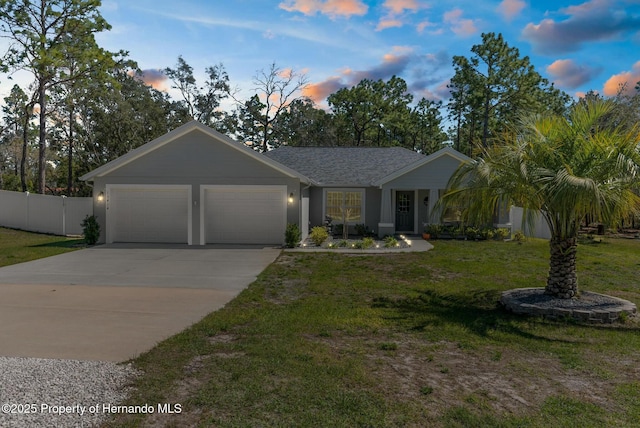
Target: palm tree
[[563, 167]]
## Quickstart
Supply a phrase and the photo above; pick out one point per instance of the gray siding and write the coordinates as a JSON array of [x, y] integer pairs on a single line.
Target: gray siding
[[433, 175], [197, 155], [373, 197], [196, 159]]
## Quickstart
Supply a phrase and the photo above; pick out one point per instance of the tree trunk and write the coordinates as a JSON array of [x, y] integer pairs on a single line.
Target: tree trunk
[[25, 141], [42, 141], [562, 281], [70, 157]]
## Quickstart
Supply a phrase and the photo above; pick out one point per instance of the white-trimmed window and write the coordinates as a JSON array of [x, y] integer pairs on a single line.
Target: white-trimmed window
[[344, 204]]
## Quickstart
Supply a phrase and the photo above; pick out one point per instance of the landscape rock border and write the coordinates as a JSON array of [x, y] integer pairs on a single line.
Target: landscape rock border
[[589, 307]]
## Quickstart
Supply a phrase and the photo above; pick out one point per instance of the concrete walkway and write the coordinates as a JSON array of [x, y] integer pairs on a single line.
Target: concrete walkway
[[112, 303]]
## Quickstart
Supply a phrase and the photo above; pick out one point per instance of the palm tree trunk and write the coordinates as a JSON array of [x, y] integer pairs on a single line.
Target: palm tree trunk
[[562, 281]]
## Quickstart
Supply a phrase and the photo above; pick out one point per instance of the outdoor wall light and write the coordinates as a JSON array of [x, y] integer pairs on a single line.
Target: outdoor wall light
[[100, 196], [291, 197]]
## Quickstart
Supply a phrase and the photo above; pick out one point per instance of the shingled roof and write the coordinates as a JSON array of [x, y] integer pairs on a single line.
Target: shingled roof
[[344, 166]]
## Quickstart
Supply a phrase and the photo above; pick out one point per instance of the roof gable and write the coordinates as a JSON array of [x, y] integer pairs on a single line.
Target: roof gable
[[182, 131], [447, 151]]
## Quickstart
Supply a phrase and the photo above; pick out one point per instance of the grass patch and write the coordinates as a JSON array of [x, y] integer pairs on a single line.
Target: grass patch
[[412, 339], [17, 246]]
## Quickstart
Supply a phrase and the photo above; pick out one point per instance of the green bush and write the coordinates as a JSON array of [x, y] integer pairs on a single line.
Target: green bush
[[500, 234], [90, 229], [390, 242], [368, 242], [318, 235], [292, 235], [518, 236]]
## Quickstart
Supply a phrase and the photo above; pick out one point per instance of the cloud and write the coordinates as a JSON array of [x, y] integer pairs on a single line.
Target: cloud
[[567, 74], [592, 21], [305, 33], [509, 9], [321, 90], [331, 8], [393, 64], [423, 25], [399, 6], [626, 79], [154, 78], [396, 11], [429, 73], [461, 27], [388, 23]]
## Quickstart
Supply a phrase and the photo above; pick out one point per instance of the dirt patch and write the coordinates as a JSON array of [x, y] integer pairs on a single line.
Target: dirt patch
[[288, 290], [443, 375], [222, 338]]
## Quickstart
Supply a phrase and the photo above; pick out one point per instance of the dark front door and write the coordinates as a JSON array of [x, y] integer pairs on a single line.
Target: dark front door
[[404, 211]]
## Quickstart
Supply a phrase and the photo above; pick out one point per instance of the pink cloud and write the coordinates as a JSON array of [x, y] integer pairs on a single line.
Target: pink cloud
[[331, 8], [509, 9], [397, 9], [154, 78], [461, 27], [399, 6], [424, 25], [567, 74], [389, 23], [321, 90], [626, 80], [393, 64], [453, 15]]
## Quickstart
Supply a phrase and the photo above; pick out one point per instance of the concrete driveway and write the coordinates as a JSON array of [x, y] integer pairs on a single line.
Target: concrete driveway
[[113, 302]]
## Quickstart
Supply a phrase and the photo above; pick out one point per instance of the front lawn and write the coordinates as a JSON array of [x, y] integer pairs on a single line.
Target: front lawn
[[17, 246], [412, 339]]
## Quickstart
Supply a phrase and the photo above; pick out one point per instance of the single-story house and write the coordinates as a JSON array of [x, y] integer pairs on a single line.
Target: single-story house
[[197, 186]]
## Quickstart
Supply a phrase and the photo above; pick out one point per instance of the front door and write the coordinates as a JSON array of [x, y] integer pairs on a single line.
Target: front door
[[404, 211]]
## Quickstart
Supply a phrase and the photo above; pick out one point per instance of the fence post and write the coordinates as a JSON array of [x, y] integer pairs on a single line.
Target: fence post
[[26, 209], [64, 215]]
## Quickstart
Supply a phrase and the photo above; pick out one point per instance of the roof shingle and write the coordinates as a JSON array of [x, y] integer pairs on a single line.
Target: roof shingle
[[344, 166]]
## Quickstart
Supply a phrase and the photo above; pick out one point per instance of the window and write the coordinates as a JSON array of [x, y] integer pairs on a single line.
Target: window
[[345, 204]]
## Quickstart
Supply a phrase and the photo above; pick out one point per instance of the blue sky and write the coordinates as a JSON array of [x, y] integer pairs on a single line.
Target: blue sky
[[579, 45]]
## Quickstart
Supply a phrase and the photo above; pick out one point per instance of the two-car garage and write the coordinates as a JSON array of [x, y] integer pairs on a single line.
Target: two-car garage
[[226, 214], [195, 186]]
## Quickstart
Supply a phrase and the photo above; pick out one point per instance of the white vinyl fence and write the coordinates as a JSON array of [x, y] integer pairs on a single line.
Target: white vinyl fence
[[540, 227], [58, 215]]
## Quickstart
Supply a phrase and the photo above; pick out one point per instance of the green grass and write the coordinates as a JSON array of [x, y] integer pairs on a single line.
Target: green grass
[[17, 246], [413, 339]]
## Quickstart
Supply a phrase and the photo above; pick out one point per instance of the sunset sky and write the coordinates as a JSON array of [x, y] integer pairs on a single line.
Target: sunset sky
[[581, 46]]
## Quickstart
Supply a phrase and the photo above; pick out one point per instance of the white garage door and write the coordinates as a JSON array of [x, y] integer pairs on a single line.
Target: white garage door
[[244, 214], [155, 213]]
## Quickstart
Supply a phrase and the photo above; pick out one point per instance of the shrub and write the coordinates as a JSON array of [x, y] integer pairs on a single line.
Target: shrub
[[390, 242], [518, 236], [318, 235], [368, 242], [500, 234], [486, 233], [343, 244], [90, 229], [472, 233], [292, 235]]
